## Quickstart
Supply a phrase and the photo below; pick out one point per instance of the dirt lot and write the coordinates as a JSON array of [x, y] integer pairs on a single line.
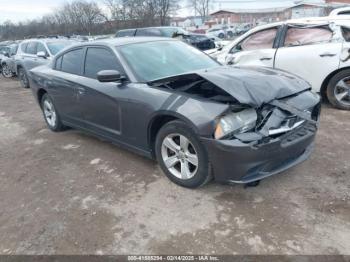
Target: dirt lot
[[70, 193]]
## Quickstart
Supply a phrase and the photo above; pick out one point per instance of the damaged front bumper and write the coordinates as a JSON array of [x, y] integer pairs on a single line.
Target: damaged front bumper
[[247, 160]]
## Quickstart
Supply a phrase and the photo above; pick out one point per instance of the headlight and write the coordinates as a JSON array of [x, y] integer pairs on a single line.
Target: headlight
[[235, 123]]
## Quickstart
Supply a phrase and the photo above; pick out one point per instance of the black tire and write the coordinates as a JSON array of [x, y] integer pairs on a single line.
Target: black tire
[[23, 78], [332, 88], [202, 173], [56, 125], [6, 71], [230, 34], [221, 35]]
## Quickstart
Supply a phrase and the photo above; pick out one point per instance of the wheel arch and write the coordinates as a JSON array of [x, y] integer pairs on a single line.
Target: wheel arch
[[158, 121], [39, 95], [323, 90]]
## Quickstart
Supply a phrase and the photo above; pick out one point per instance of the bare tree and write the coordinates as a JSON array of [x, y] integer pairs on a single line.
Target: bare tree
[[201, 7]]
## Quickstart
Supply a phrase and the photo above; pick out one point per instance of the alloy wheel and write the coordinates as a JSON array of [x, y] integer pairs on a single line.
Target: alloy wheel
[[6, 71], [179, 156], [342, 91], [50, 113]]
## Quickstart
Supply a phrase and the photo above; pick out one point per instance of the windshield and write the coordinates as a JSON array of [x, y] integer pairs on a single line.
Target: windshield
[[55, 47], [169, 32], [155, 60]]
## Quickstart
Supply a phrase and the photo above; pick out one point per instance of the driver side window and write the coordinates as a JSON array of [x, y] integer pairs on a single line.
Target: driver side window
[[260, 40]]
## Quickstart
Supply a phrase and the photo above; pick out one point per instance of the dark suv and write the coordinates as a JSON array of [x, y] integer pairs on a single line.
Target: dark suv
[[202, 42], [35, 52]]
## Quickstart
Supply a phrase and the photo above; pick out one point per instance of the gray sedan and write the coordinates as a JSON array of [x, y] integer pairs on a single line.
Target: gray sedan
[[169, 101]]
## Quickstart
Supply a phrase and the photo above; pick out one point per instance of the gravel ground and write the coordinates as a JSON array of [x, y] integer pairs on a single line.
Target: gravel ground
[[71, 193]]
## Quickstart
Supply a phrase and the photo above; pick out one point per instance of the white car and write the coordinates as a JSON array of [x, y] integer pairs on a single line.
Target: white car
[[316, 49], [220, 33], [340, 11]]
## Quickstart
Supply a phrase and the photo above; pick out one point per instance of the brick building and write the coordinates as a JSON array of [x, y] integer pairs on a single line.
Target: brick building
[[275, 11]]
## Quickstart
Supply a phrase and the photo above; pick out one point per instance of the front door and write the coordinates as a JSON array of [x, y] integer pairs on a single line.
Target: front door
[[98, 101], [258, 49]]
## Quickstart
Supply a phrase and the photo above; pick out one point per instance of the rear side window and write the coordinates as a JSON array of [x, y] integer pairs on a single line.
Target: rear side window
[[148, 32], [346, 33], [98, 59], [31, 48], [71, 61], [307, 36], [260, 40]]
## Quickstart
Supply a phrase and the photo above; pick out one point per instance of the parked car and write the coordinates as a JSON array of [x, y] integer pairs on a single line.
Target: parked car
[[340, 11], [200, 41], [218, 32], [169, 101], [222, 32], [4, 51], [317, 50], [35, 52], [8, 63]]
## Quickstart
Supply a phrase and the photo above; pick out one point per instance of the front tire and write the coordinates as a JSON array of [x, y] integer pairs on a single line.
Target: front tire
[[23, 78], [338, 90], [181, 155], [6, 71], [51, 115]]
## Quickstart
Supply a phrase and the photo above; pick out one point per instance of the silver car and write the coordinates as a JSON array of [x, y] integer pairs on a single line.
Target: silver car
[[35, 52]]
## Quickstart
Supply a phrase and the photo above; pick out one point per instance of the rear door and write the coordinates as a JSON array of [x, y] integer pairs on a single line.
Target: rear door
[[345, 52], [65, 83], [309, 52], [257, 49]]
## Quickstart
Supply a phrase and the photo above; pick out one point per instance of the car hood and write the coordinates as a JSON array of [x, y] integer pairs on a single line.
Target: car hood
[[252, 86], [255, 85]]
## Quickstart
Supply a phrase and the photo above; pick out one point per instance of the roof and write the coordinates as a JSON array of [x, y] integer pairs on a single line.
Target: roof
[[48, 40], [119, 41]]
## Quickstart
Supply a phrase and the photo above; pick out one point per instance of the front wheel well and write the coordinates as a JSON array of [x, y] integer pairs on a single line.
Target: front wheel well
[[40, 95], [323, 90], [156, 124]]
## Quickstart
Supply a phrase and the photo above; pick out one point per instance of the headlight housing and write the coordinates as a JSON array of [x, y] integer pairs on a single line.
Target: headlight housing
[[236, 123]]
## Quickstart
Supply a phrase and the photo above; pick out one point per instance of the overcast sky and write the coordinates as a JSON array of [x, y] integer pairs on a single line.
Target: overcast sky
[[21, 10]]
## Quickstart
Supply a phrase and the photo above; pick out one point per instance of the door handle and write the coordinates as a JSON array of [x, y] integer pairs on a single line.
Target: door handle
[[327, 55], [265, 58], [81, 90]]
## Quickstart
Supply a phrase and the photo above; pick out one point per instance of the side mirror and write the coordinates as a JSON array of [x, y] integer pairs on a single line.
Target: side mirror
[[230, 59], [110, 76], [41, 54]]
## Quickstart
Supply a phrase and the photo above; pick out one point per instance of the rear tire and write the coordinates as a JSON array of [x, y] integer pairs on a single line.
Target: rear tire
[[338, 90], [51, 115], [23, 78], [181, 155]]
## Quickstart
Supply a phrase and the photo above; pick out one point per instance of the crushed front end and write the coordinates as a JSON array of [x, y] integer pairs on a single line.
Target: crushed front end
[[282, 136]]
